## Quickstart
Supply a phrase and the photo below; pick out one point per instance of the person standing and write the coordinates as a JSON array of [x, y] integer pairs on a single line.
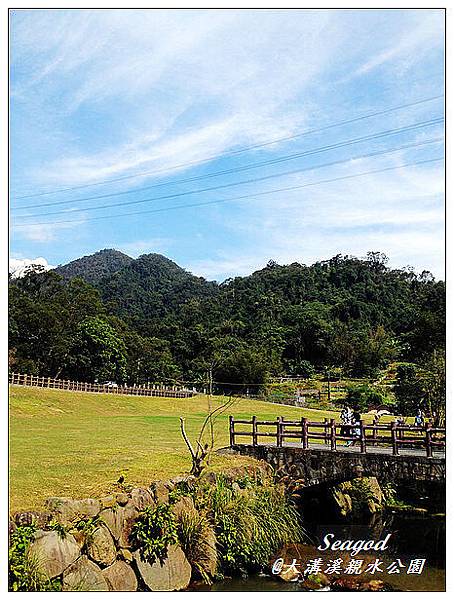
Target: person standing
[[356, 427], [419, 418]]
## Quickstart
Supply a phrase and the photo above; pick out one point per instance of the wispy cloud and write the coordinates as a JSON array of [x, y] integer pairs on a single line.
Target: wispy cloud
[[102, 94]]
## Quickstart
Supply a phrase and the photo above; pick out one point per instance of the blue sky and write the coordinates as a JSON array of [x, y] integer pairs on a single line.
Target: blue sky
[[108, 95]]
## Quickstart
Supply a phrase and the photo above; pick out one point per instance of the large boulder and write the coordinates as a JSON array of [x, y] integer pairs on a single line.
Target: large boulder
[[66, 510], [129, 516], [342, 501], [185, 505], [160, 492], [120, 522], [39, 519], [360, 495], [174, 573], [84, 576], [101, 547], [141, 499], [113, 518], [52, 553], [120, 577]]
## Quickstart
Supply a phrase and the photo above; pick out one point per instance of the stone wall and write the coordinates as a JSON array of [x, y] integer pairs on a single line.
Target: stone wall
[[86, 544], [101, 557], [318, 466]]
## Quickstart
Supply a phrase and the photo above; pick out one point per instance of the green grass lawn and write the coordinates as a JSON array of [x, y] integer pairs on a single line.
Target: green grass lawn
[[77, 444]]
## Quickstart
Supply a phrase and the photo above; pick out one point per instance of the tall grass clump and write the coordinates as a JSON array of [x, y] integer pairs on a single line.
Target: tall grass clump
[[251, 524], [198, 541]]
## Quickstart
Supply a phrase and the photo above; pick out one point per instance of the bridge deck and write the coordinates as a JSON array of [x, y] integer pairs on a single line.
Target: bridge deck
[[384, 450]]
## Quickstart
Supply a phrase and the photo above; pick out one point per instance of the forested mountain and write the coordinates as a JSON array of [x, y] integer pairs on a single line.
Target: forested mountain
[[148, 319], [94, 267], [150, 288]]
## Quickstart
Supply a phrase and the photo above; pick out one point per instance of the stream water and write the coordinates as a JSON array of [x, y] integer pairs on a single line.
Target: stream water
[[411, 538]]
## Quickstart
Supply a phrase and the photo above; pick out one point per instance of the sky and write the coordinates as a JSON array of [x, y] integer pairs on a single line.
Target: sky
[[227, 138]]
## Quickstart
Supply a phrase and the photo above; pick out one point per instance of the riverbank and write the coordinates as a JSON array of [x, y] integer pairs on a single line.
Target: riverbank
[[229, 526]]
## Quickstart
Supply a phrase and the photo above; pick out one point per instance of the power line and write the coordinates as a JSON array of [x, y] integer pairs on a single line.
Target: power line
[[320, 149], [197, 204], [239, 151], [188, 192]]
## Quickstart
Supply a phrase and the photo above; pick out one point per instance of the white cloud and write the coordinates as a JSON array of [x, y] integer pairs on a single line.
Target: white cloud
[[17, 266], [44, 232], [426, 33]]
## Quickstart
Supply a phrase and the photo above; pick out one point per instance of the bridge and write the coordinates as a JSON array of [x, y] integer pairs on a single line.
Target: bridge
[[324, 452]]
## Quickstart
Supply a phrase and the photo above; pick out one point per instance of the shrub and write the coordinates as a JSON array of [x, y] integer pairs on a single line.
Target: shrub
[[365, 396], [154, 530]]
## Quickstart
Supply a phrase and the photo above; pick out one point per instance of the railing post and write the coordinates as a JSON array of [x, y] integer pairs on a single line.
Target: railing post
[[394, 438], [362, 436], [304, 436], [428, 440], [325, 430], [333, 434], [279, 432], [232, 430], [374, 434], [254, 431]]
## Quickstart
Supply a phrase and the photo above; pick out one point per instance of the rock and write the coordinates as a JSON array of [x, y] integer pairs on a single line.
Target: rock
[[122, 498], [113, 518], [52, 553], [120, 577], [11, 529], [342, 501], [101, 547], [129, 516], [160, 492], [120, 522], [141, 498], [66, 510], [84, 576], [316, 581], [108, 502], [173, 574], [40, 519], [126, 554], [375, 585], [290, 573], [189, 480], [184, 505], [346, 583]]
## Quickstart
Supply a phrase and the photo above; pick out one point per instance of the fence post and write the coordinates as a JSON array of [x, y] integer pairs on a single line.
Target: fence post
[[394, 438], [362, 436], [279, 432], [304, 433], [232, 430], [325, 430], [428, 440], [254, 431], [333, 434]]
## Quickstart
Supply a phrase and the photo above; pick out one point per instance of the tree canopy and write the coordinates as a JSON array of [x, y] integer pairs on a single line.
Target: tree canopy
[[111, 317]]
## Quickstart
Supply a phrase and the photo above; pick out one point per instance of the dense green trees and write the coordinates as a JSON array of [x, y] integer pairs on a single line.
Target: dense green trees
[[158, 322]]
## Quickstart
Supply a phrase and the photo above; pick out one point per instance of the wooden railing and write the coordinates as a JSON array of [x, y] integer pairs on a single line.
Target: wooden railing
[[79, 386], [331, 433]]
